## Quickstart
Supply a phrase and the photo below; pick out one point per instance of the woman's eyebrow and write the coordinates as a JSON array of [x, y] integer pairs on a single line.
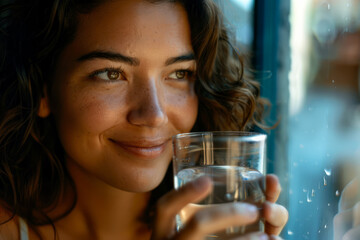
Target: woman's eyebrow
[[182, 58], [113, 56]]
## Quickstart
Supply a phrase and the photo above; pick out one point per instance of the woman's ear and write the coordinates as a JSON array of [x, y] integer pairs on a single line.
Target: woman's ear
[[44, 108]]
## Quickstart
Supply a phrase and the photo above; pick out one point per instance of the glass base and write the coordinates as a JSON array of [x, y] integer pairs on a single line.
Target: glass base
[[232, 232]]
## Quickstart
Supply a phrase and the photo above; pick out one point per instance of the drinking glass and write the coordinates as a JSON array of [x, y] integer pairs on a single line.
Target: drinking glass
[[235, 162]]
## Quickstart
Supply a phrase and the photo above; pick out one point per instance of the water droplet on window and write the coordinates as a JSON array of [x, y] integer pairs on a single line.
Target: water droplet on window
[[301, 202], [313, 193], [333, 81], [290, 232], [325, 182], [337, 193], [327, 171], [329, 6], [308, 199], [304, 190], [325, 226]]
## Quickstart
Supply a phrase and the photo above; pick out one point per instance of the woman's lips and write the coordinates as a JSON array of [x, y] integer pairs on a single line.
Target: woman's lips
[[144, 149]]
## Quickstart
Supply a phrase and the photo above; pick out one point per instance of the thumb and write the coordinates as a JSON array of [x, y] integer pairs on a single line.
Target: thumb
[[171, 204]]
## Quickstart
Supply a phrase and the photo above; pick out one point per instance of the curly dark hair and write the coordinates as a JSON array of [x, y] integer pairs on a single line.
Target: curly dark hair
[[33, 176]]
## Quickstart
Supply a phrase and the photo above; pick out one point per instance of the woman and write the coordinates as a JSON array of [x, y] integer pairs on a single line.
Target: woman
[[91, 93]]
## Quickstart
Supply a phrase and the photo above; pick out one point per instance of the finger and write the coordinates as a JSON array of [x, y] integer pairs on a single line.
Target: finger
[[276, 217], [169, 205], [273, 188], [352, 234], [218, 218]]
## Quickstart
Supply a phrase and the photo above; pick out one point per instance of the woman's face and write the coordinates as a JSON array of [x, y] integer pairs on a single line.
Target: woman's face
[[122, 89]]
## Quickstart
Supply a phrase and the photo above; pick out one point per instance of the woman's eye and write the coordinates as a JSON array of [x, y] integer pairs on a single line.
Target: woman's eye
[[181, 75], [109, 75]]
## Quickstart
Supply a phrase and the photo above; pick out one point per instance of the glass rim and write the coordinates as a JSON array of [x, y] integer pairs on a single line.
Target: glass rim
[[254, 136]]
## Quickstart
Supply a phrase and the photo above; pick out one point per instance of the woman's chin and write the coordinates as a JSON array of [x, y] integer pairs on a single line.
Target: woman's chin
[[142, 184], [141, 187]]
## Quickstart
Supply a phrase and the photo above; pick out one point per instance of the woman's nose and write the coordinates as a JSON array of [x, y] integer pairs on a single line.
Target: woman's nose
[[148, 108]]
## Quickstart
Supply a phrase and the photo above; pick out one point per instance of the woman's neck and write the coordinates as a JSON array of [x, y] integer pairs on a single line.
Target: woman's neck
[[102, 211]]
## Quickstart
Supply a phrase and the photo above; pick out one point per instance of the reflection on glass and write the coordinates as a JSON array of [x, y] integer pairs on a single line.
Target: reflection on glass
[[322, 136], [324, 124]]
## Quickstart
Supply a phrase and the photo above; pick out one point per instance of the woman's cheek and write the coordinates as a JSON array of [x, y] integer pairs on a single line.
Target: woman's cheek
[[183, 110], [94, 112]]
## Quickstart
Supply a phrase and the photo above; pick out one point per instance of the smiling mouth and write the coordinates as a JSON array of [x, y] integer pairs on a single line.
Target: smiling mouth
[[143, 149]]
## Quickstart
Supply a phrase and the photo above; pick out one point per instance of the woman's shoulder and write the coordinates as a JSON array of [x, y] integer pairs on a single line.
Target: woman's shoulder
[[9, 226]]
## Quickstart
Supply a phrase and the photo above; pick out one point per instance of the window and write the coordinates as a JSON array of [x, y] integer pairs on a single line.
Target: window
[[309, 52]]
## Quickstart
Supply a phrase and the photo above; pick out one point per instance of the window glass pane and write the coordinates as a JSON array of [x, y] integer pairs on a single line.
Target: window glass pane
[[315, 150], [324, 126]]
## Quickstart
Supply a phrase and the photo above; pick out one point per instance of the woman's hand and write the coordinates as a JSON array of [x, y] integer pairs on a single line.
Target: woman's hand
[[215, 218], [275, 215]]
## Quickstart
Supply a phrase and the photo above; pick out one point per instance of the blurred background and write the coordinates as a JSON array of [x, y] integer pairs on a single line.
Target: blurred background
[[309, 54]]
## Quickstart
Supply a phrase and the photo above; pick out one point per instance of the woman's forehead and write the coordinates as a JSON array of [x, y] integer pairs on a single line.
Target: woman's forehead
[[134, 25], [136, 16], [150, 33]]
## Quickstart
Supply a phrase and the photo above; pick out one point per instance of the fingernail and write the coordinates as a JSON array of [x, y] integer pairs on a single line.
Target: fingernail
[[200, 183]]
